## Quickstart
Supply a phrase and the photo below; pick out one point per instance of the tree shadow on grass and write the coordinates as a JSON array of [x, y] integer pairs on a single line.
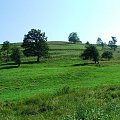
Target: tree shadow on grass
[[83, 64], [30, 62], [8, 67]]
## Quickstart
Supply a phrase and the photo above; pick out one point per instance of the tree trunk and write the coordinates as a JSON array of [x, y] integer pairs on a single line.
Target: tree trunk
[[18, 64], [38, 58]]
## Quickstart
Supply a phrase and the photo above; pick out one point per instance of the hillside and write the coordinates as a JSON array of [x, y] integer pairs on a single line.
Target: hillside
[[61, 87]]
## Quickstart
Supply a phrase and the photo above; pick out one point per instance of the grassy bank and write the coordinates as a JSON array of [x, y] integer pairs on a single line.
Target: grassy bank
[[61, 87]]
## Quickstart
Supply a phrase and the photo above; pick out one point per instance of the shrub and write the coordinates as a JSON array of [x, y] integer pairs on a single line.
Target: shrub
[[107, 54]]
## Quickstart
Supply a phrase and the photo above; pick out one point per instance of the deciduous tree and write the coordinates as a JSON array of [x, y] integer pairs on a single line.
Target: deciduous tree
[[6, 50], [91, 53], [16, 56], [35, 44], [107, 54], [112, 43], [73, 37]]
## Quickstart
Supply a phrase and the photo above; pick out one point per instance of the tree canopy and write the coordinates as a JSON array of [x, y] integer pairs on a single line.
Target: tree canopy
[[16, 56], [99, 41], [6, 49], [91, 53], [112, 43], [35, 44], [107, 54], [73, 37]]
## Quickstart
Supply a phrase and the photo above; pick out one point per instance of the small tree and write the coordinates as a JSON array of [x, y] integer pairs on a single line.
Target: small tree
[[0, 56], [91, 53], [87, 43], [6, 49], [16, 56], [73, 37], [112, 43], [35, 44], [100, 42], [107, 54]]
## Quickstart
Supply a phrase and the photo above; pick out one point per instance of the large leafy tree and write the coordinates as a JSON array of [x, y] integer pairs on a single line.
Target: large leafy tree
[[35, 44], [73, 37], [6, 50], [91, 53]]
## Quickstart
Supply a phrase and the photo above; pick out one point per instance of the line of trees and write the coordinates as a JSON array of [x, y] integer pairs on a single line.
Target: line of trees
[[35, 44], [9, 52], [111, 43], [91, 53]]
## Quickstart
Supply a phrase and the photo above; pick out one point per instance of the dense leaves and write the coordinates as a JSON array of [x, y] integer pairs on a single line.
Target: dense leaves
[[73, 37], [90, 52], [5, 50], [112, 43], [15, 56], [35, 44], [107, 54]]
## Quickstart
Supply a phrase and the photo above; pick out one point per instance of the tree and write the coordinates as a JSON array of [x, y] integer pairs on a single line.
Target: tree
[[100, 42], [73, 37], [107, 54], [0, 56], [91, 53], [6, 49], [16, 56], [35, 44], [112, 43], [87, 43]]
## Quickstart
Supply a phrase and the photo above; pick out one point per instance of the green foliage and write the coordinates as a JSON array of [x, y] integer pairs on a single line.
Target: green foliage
[[16, 55], [112, 43], [5, 50], [90, 52], [87, 43], [73, 37], [35, 44], [99, 41], [107, 54]]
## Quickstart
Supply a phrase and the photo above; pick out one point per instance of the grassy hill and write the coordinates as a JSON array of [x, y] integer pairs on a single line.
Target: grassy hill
[[61, 87]]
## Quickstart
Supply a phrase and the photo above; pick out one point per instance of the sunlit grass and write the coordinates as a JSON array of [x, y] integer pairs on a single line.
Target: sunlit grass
[[61, 87]]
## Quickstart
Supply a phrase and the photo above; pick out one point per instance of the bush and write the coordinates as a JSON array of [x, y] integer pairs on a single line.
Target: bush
[[107, 54], [90, 52]]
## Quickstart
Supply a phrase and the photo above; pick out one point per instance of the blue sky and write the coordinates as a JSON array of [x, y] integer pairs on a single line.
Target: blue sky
[[57, 18]]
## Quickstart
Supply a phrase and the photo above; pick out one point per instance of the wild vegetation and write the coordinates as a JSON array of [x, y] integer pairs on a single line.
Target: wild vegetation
[[61, 86]]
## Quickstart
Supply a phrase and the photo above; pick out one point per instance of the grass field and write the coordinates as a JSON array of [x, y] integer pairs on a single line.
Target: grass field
[[61, 87]]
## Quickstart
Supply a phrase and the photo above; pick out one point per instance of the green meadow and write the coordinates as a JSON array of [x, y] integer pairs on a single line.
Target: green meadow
[[61, 87]]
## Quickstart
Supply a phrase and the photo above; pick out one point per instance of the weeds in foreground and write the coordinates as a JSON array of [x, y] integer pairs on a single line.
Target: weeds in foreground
[[67, 105]]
